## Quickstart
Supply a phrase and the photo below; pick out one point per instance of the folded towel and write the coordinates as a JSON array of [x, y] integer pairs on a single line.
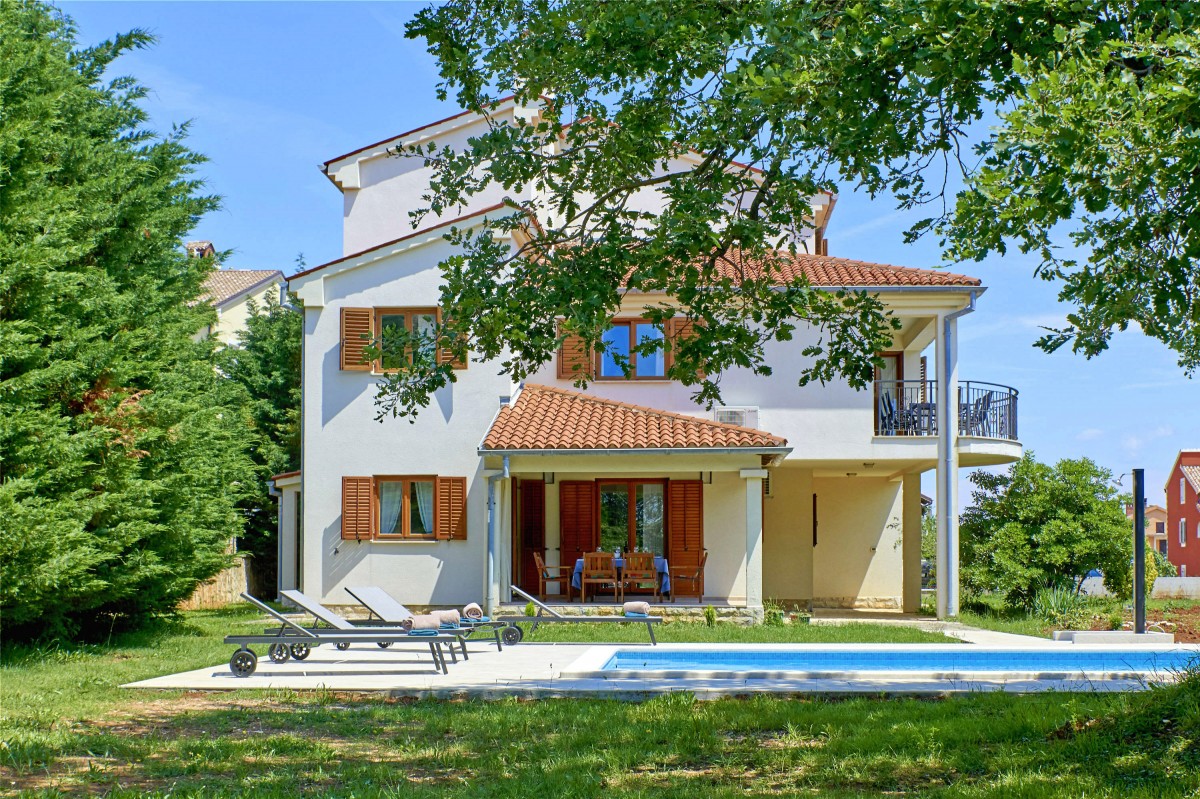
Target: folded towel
[[640, 608], [631, 615], [406, 624], [423, 632], [422, 622], [449, 617], [473, 611]]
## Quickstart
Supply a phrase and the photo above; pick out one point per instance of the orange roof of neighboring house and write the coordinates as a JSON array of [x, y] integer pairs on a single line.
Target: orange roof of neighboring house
[[828, 271], [1192, 473], [546, 418], [282, 475], [223, 285]]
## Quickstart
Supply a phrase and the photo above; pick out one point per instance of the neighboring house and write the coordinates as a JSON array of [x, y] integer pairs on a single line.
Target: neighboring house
[[230, 291], [1156, 527], [1183, 513], [809, 495]]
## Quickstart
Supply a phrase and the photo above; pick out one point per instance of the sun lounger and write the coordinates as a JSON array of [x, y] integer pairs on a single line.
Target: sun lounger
[[513, 634], [322, 614], [384, 607], [295, 640]]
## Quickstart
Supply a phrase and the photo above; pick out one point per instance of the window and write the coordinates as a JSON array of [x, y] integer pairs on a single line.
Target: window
[[390, 507], [406, 507], [632, 514], [620, 341], [391, 322], [362, 327], [1183, 532], [1160, 528]]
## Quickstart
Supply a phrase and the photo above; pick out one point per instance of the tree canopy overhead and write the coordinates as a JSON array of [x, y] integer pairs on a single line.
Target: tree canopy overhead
[[121, 447], [1096, 145]]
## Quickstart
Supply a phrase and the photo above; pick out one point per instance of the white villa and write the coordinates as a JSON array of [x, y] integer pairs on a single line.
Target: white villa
[[809, 495]]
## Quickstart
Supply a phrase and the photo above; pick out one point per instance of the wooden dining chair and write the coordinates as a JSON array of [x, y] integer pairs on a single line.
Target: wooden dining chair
[[639, 571], [599, 570], [689, 574], [552, 574]]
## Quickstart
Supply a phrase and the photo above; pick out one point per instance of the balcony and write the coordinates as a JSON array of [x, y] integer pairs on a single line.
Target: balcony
[[909, 408]]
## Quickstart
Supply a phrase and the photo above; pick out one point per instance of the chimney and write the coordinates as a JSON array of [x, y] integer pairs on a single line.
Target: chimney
[[200, 249]]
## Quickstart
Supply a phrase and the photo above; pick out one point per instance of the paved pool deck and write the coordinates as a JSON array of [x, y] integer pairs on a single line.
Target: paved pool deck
[[545, 670]]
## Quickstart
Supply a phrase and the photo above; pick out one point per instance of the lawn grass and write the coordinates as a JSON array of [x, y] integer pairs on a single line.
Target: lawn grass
[[66, 728]]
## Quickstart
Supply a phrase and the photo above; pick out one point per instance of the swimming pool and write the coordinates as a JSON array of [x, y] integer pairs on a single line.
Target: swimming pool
[[930, 661]]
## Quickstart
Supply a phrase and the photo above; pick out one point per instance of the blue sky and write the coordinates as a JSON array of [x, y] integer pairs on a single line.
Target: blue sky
[[274, 89]]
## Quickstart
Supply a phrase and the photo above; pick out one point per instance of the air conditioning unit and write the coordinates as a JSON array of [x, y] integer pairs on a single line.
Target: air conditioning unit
[[743, 417]]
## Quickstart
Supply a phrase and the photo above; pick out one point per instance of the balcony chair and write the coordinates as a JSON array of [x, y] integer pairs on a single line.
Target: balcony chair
[[599, 570], [552, 574], [690, 574], [639, 571]]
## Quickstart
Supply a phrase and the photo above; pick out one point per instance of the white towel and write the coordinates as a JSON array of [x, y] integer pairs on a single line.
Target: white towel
[[473, 611], [447, 616], [423, 622], [637, 607]]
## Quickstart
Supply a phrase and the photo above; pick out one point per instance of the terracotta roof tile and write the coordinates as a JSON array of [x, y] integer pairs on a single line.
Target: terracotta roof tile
[[828, 271], [223, 285], [543, 417], [1192, 473]]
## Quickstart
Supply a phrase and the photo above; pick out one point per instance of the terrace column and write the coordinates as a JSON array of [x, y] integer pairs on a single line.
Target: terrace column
[[947, 467], [754, 529], [911, 542]]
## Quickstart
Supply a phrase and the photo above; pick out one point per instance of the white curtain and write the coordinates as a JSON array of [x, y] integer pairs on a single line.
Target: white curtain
[[423, 495], [391, 496], [425, 328]]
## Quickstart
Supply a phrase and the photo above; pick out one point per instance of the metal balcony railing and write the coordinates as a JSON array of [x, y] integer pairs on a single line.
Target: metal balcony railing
[[909, 408]]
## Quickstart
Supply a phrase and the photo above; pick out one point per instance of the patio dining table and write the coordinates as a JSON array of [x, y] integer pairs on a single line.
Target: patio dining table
[[660, 565]]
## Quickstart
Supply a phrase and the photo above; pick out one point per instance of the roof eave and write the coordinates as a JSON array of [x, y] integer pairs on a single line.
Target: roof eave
[[780, 450]]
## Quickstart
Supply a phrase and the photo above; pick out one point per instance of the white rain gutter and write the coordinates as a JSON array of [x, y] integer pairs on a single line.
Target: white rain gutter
[[948, 477], [491, 537]]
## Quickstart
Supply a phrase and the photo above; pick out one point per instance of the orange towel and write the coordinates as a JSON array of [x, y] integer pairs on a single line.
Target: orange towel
[[473, 611]]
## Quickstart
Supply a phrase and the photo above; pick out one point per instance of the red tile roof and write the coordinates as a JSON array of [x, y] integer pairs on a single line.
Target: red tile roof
[[225, 284], [828, 271], [549, 418]]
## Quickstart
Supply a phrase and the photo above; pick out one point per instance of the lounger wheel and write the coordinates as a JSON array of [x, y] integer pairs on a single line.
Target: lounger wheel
[[300, 651], [343, 646], [279, 653], [384, 644], [512, 635], [243, 663]]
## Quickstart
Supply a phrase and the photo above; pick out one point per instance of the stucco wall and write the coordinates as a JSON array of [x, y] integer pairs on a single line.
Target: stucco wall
[[787, 536], [231, 319], [858, 560], [341, 437]]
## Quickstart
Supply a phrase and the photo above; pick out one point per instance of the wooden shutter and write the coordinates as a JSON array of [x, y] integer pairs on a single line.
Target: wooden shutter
[[446, 356], [358, 522], [574, 359], [577, 503], [533, 514], [678, 329], [923, 379], [685, 523], [450, 516], [356, 323]]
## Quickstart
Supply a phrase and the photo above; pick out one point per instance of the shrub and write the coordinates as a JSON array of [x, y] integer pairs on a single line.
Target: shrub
[[530, 610], [710, 615], [1061, 607], [772, 614]]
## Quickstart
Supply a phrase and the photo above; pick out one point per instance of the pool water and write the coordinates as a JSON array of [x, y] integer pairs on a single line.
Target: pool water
[[940, 660]]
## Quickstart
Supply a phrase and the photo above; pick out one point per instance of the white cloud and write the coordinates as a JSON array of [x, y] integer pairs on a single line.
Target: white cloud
[[1090, 434], [1133, 443]]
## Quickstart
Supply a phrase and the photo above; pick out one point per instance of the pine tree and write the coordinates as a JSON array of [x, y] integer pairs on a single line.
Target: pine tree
[[122, 448]]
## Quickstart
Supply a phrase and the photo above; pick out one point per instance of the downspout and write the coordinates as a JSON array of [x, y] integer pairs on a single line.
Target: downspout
[[278, 495], [948, 475], [491, 536]]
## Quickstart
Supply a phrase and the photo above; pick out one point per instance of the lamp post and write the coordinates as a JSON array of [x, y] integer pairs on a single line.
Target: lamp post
[[1139, 552]]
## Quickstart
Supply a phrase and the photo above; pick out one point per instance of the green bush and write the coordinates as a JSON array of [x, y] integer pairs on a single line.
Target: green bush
[[710, 615], [772, 614], [530, 610], [1060, 607]]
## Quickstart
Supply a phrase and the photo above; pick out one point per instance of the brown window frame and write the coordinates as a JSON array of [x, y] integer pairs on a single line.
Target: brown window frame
[[406, 480], [631, 514], [409, 312], [631, 323]]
